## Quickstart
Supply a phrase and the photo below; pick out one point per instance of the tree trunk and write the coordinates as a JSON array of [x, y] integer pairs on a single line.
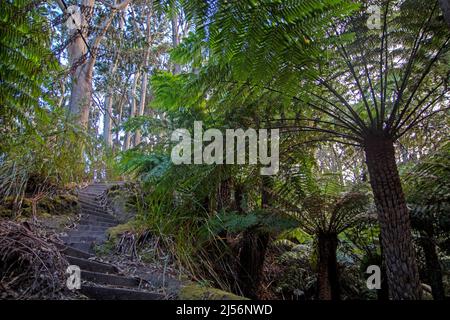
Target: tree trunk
[[328, 280], [144, 83], [253, 248], [127, 143], [80, 96], [81, 63], [383, 293], [137, 135], [445, 7], [116, 145], [175, 41], [251, 260], [107, 120], [81, 91], [433, 266], [400, 258]]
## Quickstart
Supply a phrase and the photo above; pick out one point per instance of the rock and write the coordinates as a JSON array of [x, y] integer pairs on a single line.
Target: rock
[[192, 291]]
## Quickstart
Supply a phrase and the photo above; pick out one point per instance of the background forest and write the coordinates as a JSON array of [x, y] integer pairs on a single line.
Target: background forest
[[358, 89]]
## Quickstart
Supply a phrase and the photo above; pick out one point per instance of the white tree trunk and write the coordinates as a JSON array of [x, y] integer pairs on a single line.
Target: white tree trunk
[[82, 63], [107, 120], [127, 143], [144, 83], [81, 91]]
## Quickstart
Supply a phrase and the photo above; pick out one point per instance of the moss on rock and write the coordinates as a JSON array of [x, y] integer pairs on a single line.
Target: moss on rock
[[192, 291], [120, 229]]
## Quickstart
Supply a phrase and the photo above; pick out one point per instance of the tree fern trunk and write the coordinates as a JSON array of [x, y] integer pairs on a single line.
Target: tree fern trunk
[[251, 261], [433, 266], [253, 248], [328, 280], [383, 293], [400, 258]]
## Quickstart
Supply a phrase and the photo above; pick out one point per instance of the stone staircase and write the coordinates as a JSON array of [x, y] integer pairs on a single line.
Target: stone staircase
[[100, 280]]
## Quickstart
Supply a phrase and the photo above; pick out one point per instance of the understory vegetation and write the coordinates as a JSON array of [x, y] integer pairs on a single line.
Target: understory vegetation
[[362, 114]]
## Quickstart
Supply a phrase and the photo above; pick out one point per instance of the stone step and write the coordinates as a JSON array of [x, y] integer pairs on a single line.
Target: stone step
[[89, 239], [96, 214], [90, 228], [90, 265], [73, 252], [97, 217], [92, 192], [89, 199], [88, 196], [100, 184], [109, 279], [97, 187], [84, 233], [91, 219], [89, 202], [92, 223], [92, 187], [106, 293], [81, 246]]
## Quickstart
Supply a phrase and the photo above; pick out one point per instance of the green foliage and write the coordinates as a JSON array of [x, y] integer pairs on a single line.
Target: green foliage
[[35, 161], [232, 222], [235, 222], [148, 168], [314, 70], [25, 63], [427, 186], [262, 38], [40, 148], [320, 204]]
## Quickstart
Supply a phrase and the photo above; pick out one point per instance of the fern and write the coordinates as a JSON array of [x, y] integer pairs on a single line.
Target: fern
[[25, 60]]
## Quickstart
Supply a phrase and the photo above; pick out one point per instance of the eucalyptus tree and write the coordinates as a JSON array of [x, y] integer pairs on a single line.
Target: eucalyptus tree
[[84, 43], [354, 84]]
